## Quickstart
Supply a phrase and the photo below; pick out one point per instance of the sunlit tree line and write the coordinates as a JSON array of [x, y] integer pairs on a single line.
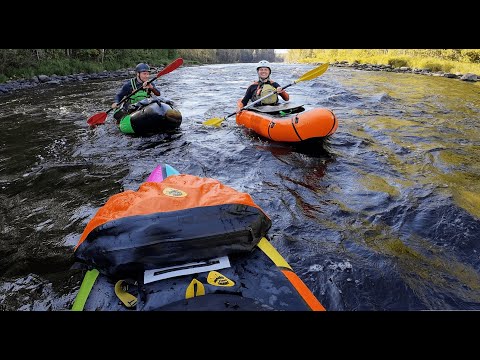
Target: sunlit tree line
[[460, 55]]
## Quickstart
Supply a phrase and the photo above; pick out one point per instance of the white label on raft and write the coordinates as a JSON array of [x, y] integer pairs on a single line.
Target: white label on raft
[[185, 269]]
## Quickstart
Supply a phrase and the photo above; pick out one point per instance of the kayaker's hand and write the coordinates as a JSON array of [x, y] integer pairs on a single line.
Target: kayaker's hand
[[279, 90], [114, 105], [146, 85]]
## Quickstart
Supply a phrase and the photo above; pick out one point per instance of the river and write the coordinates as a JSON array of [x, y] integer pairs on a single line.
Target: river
[[384, 215]]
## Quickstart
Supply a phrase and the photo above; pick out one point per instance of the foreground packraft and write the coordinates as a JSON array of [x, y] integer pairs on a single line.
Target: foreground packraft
[[182, 242]]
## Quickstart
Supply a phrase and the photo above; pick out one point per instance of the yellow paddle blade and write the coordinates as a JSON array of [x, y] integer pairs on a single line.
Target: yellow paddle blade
[[214, 122], [312, 74]]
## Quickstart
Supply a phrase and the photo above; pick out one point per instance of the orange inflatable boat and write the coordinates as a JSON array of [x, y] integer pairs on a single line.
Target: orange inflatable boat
[[277, 124]]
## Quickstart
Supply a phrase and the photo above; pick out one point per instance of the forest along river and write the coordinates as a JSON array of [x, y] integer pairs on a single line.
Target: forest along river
[[385, 215]]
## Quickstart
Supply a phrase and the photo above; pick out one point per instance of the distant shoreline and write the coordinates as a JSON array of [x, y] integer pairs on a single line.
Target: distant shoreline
[[405, 69]]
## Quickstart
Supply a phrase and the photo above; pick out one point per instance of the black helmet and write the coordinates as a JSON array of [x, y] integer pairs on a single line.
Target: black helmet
[[142, 67]]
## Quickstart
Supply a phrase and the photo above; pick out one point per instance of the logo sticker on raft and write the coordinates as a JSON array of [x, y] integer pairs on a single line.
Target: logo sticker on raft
[[217, 279], [174, 192]]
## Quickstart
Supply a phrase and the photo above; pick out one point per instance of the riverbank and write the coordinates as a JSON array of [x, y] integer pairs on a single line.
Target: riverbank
[[405, 69], [44, 80]]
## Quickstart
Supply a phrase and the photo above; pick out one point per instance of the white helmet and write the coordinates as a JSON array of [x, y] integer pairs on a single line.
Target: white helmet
[[264, 63]]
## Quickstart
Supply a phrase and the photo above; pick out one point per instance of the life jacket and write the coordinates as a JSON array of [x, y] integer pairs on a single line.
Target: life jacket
[[263, 89], [140, 95]]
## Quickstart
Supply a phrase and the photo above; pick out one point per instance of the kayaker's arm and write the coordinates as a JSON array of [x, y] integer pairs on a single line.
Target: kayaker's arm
[[285, 96], [123, 93], [151, 88], [248, 95], [155, 91]]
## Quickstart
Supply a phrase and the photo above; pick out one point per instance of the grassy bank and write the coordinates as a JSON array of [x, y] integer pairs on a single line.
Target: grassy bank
[[73, 66], [395, 58], [26, 63]]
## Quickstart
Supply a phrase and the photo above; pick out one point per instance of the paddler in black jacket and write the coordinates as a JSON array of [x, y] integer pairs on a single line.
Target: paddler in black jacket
[[262, 87]]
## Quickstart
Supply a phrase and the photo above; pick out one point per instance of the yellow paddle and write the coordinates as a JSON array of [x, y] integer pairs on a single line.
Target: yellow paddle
[[312, 74]]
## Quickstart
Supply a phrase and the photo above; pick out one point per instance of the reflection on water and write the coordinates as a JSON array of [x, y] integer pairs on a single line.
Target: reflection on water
[[383, 215]]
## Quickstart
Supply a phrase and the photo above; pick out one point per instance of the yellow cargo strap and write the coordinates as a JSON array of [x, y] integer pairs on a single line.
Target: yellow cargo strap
[[196, 288], [293, 278], [273, 254], [125, 297]]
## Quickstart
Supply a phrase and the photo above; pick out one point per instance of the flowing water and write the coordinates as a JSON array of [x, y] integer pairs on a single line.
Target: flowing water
[[384, 215]]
